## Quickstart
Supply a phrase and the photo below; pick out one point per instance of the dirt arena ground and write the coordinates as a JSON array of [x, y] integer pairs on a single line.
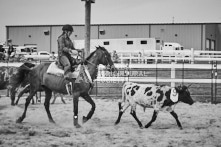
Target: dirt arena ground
[[201, 126]]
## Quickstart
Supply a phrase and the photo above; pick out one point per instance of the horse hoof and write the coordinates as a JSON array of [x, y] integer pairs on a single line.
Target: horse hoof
[[77, 126], [85, 119], [52, 121], [116, 123], [19, 120]]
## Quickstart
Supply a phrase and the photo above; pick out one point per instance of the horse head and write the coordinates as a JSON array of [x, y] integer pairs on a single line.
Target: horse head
[[105, 58]]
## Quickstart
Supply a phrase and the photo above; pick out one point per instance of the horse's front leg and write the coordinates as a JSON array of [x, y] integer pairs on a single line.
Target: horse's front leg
[[75, 103], [93, 106]]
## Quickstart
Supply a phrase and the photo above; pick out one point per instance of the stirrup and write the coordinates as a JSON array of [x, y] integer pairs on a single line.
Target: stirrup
[[69, 88]]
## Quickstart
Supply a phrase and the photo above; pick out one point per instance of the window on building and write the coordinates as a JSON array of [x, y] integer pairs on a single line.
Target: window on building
[[106, 42], [157, 41], [129, 42], [143, 42]]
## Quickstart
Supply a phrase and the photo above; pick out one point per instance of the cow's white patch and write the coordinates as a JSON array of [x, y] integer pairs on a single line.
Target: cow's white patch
[[174, 95]]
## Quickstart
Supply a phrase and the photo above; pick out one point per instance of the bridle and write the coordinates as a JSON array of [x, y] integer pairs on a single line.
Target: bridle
[[105, 56]]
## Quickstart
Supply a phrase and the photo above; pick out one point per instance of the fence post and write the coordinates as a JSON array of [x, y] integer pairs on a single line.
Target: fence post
[[192, 56], [173, 73]]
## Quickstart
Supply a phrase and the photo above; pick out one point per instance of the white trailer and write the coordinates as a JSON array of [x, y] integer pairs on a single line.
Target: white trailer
[[123, 44]]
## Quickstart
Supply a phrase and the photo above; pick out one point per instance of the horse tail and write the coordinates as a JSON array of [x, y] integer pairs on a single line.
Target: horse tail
[[21, 74]]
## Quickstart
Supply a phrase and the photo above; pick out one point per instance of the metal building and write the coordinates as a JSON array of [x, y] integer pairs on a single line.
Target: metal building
[[200, 36]]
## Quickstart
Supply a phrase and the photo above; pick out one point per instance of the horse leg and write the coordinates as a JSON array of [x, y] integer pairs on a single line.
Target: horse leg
[[153, 119], [48, 94], [122, 109], [75, 103], [28, 99], [13, 92], [91, 112], [62, 99], [54, 98], [177, 120], [25, 90]]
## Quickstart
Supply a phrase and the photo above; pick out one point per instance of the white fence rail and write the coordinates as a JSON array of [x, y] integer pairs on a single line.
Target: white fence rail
[[190, 56], [213, 68]]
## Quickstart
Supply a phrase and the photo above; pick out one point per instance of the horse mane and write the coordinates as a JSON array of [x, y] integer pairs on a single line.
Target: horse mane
[[99, 47]]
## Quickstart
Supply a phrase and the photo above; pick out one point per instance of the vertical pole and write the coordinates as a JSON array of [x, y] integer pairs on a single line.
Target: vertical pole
[[192, 56], [216, 74], [50, 33], [212, 83], [172, 74], [87, 28]]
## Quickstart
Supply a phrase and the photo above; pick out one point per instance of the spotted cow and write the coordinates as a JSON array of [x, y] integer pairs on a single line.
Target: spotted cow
[[149, 95]]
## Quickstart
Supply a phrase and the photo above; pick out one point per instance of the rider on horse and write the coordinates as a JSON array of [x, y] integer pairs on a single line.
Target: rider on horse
[[65, 46]]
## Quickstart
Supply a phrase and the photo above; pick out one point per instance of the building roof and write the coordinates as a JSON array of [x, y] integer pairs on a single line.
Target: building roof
[[116, 24]]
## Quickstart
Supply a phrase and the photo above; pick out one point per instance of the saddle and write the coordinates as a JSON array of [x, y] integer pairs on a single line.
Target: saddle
[[56, 69], [80, 73]]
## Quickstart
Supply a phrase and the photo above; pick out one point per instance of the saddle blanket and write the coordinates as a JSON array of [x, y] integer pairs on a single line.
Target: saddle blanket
[[81, 73]]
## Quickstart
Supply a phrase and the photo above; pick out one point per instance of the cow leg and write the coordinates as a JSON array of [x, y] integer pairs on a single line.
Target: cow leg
[[121, 111], [177, 120], [133, 113], [153, 119], [48, 94]]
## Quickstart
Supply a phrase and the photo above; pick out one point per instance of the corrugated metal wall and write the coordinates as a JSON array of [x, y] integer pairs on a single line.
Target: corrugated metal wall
[[188, 35], [124, 31], [30, 35]]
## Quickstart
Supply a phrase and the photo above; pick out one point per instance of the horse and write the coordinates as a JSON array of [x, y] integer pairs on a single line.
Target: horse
[[38, 77], [14, 83]]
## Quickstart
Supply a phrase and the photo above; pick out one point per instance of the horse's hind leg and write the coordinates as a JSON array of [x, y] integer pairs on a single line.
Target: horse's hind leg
[[75, 103], [48, 94], [28, 99], [25, 90], [89, 100]]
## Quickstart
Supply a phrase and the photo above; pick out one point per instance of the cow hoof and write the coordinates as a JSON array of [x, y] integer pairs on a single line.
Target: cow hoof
[[181, 128], [85, 119]]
